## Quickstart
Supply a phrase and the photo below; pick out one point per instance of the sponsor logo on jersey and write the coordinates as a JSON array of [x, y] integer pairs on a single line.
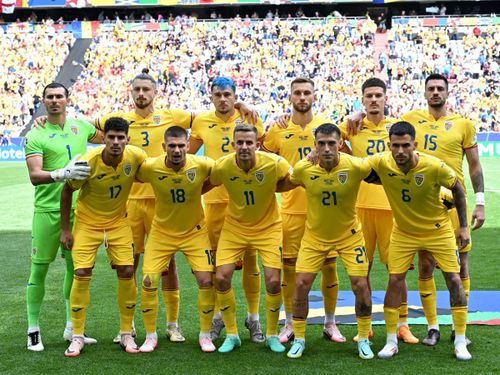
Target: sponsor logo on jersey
[[225, 128], [419, 179], [342, 177], [191, 174], [314, 177], [233, 178], [52, 135], [288, 136], [259, 175], [127, 169], [303, 137], [212, 126]]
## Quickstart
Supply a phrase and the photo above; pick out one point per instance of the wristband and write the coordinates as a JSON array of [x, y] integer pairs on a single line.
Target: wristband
[[479, 199]]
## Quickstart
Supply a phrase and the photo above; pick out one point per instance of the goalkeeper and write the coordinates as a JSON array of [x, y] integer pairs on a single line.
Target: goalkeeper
[[51, 156]]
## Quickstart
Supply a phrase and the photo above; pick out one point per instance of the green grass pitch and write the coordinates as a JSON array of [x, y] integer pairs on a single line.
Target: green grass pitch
[[102, 321]]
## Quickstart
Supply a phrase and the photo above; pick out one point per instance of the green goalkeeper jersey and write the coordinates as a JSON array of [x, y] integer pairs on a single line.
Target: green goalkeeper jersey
[[57, 147]]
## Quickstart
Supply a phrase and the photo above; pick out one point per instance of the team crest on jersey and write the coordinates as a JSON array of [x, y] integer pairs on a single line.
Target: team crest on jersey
[[74, 129], [259, 176], [342, 177], [157, 119], [191, 174], [448, 125], [127, 169], [419, 179]]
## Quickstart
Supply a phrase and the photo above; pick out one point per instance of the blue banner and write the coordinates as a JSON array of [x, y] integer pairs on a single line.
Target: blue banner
[[11, 153]]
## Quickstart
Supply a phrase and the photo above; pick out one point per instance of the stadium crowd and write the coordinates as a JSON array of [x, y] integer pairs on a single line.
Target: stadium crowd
[[27, 62], [261, 56]]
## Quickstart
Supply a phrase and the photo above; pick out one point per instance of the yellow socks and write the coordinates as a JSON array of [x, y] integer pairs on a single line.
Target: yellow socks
[[288, 286], [391, 316], [427, 290], [466, 286], [149, 308], [227, 305], [127, 294], [206, 299], [80, 298], [364, 325], [251, 281], [403, 312], [299, 328], [330, 287], [273, 305], [171, 298], [459, 315]]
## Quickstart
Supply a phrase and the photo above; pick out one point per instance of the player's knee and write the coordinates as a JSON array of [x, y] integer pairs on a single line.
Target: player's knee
[[222, 282], [204, 279], [151, 280], [302, 285], [125, 272], [426, 264], [83, 272], [359, 285]]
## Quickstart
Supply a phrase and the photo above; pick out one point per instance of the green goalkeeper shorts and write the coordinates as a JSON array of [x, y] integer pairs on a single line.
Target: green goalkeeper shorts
[[45, 236]]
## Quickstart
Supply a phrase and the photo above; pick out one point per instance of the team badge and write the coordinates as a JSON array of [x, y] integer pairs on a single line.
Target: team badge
[[74, 129], [448, 125], [191, 174], [342, 177], [156, 119], [419, 179], [127, 169], [259, 175]]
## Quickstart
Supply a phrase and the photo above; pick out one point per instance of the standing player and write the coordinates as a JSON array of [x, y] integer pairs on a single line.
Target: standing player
[[178, 225], [293, 142], [372, 206], [252, 222], [214, 130], [412, 182], [448, 137], [332, 229], [48, 152], [101, 218]]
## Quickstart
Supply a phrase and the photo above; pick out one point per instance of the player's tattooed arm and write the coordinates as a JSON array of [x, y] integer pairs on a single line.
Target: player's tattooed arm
[[462, 234], [66, 200], [477, 179]]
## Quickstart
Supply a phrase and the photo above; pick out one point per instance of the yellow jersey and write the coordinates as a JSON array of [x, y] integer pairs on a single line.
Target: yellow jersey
[[370, 140], [178, 208], [102, 199], [293, 143], [147, 133], [415, 196], [217, 138], [331, 196], [446, 138], [252, 201]]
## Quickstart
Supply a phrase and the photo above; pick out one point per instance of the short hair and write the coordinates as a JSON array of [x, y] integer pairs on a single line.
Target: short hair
[[402, 128], [436, 76], [145, 76], [327, 129], [55, 85], [373, 82], [245, 128], [175, 132], [117, 124], [302, 80], [222, 83]]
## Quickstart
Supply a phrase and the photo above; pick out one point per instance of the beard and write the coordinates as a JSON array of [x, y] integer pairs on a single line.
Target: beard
[[305, 109]]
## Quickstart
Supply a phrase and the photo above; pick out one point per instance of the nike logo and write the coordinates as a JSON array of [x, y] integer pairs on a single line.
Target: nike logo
[[233, 178], [425, 295], [130, 307], [314, 178], [161, 178], [146, 310], [212, 126], [224, 308], [363, 352], [76, 309], [288, 136], [207, 312], [391, 174], [274, 310], [101, 176]]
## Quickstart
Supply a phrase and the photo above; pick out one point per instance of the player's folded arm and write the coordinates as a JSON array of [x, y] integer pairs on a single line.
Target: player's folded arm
[[285, 184]]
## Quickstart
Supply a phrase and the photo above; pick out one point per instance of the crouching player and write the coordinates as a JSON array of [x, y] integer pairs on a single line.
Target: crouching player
[[332, 229], [178, 225], [101, 218]]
